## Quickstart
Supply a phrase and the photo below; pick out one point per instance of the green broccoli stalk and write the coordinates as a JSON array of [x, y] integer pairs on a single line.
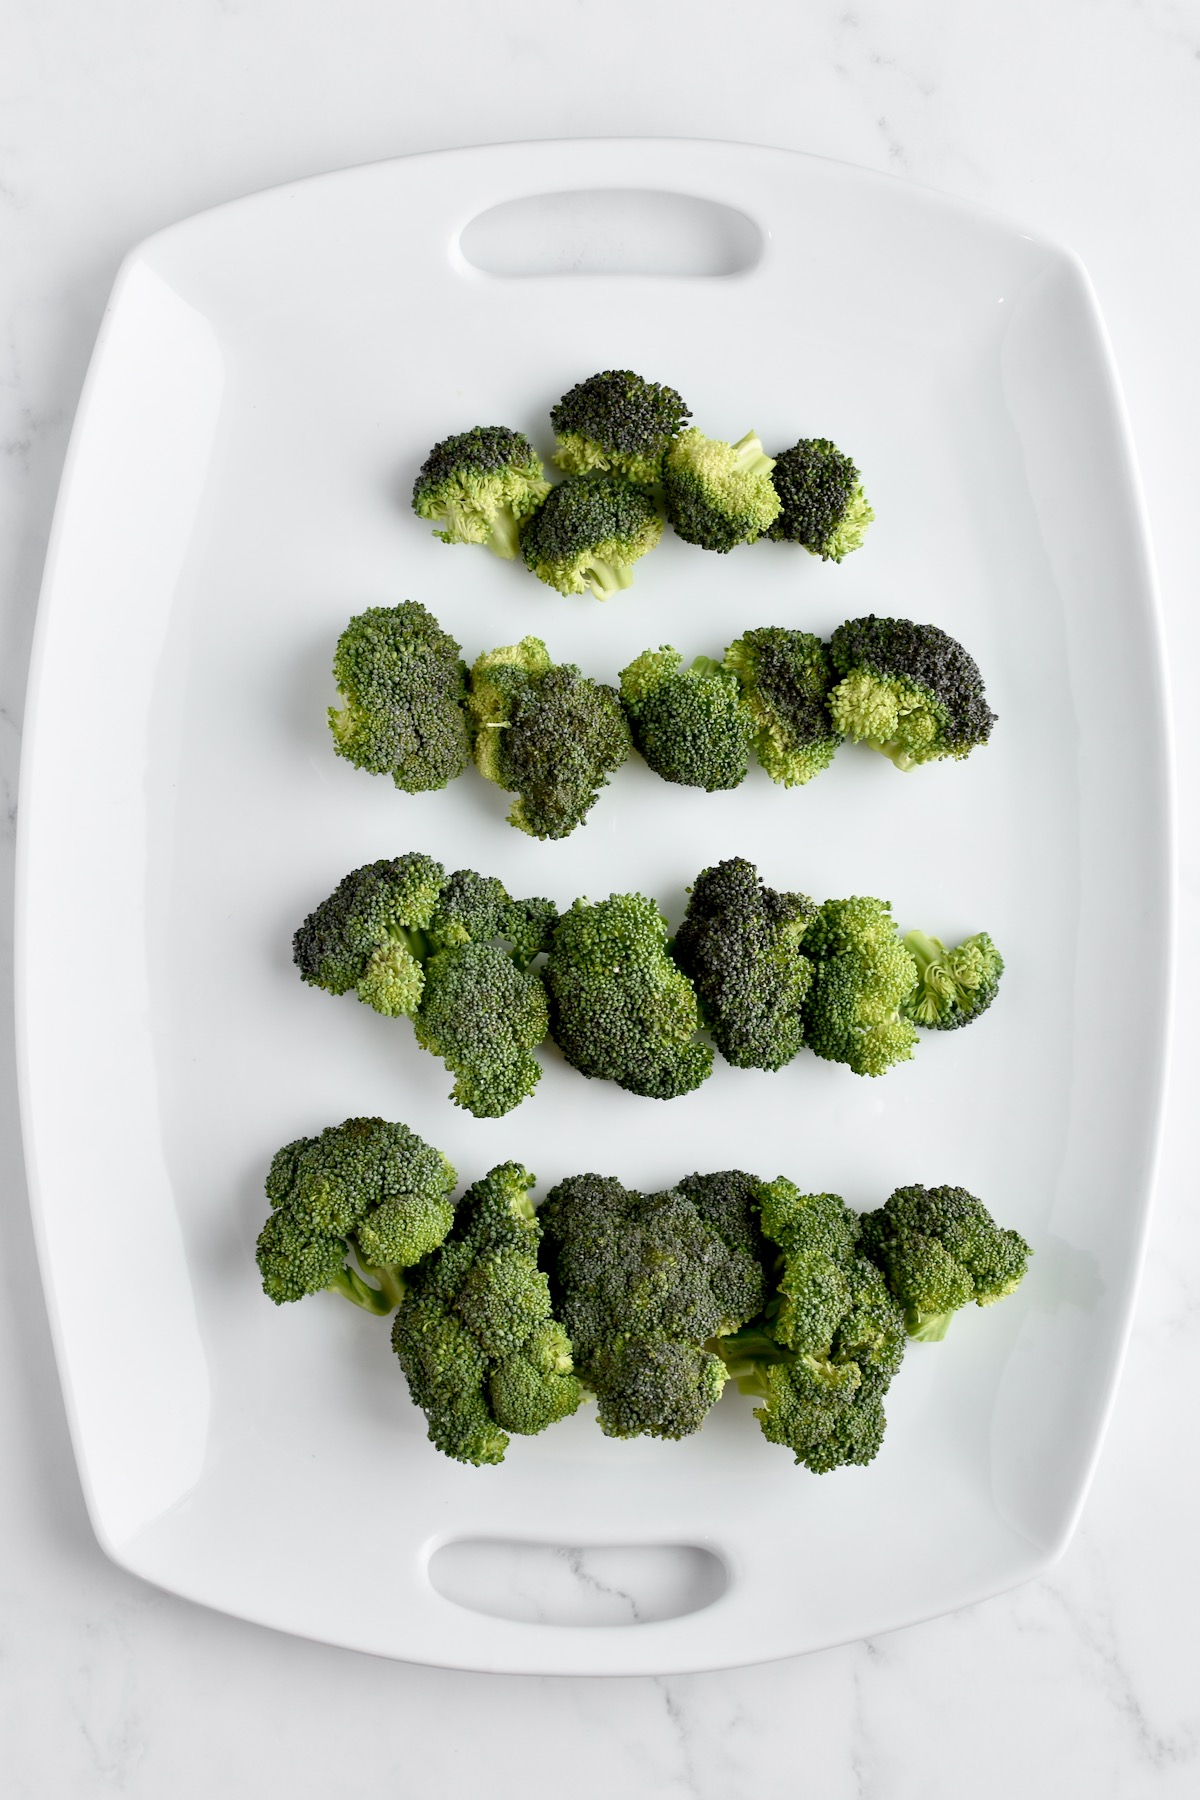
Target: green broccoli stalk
[[953, 986], [862, 975], [620, 1010], [481, 485], [403, 683], [690, 725], [909, 691], [939, 1249], [369, 935], [785, 678], [365, 1188], [619, 422], [475, 1332], [545, 732], [823, 505], [589, 532], [719, 495]]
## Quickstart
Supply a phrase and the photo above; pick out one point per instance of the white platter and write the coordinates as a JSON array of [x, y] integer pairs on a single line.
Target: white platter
[[267, 379]]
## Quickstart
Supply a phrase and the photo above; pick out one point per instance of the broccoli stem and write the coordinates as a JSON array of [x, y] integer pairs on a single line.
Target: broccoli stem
[[605, 578], [502, 539], [927, 1328], [924, 949], [350, 1284], [752, 459]]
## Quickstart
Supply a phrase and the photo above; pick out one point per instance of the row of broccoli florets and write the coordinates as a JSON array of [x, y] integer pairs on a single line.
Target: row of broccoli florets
[[552, 736], [506, 1317], [629, 459], [762, 973]]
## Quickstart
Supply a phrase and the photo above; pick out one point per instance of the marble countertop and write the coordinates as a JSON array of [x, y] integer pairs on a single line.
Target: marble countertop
[[1083, 121]]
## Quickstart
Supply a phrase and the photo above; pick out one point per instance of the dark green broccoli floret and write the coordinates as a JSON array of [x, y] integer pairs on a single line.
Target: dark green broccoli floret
[[643, 1282], [829, 1340], [403, 684], [823, 504], [619, 422], [785, 677], [369, 934], [690, 725], [475, 909], [939, 1249], [862, 977], [365, 1187], [620, 1010], [483, 1017], [545, 732], [953, 986], [475, 1335], [719, 495], [589, 532], [739, 944], [481, 484], [909, 691]]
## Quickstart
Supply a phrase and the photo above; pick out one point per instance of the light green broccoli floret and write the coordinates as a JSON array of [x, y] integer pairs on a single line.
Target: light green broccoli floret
[[785, 678], [480, 485], [617, 421], [589, 532], [909, 691], [719, 495], [690, 725], [862, 975], [939, 1249], [953, 986]]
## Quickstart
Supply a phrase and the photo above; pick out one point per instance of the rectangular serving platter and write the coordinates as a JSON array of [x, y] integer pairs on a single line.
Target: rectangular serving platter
[[266, 382]]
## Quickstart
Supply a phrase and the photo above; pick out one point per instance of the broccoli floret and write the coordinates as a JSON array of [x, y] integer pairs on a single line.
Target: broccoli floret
[[475, 1334], [370, 933], [481, 484], [939, 1249], [823, 504], [717, 494], [643, 1282], [619, 422], [953, 986], [909, 691], [483, 1017], [829, 1340], [545, 732], [690, 725], [862, 977], [403, 684], [365, 1187], [589, 532], [620, 1010], [785, 677], [475, 909], [739, 945]]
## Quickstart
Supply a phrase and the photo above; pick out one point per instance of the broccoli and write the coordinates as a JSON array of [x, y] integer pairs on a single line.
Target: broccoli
[[785, 677], [909, 691], [475, 1334], [718, 494], [620, 1010], [483, 1017], [690, 725], [739, 944], [644, 1283], [824, 507], [474, 909], [825, 1348], [619, 422], [862, 975], [588, 533], [953, 986], [365, 1187], [482, 484], [403, 684], [369, 934], [545, 732], [939, 1249]]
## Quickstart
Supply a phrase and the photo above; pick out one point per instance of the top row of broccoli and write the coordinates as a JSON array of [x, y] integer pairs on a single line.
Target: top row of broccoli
[[628, 458]]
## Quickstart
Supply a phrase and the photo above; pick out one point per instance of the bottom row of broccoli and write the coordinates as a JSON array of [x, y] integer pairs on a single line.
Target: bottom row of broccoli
[[506, 1317]]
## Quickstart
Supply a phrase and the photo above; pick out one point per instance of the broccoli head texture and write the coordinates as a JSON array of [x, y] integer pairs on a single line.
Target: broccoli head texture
[[862, 976], [588, 533], [690, 725], [475, 1333], [619, 422], [739, 945], [545, 732], [785, 677], [475, 909], [480, 485], [719, 495], [369, 935], [953, 986], [365, 1187], [403, 684], [620, 1010], [909, 691], [483, 1016], [823, 505], [939, 1249]]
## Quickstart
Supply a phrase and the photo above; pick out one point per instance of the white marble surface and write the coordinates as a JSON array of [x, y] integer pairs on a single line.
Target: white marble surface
[[1081, 118]]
